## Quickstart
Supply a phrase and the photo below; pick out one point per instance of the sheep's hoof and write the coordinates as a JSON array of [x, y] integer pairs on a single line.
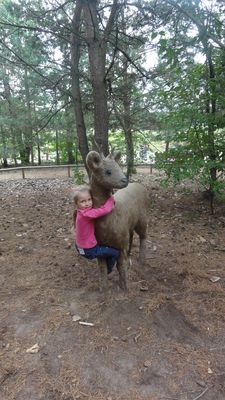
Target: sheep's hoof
[[141, 261], [123, 285], [103, 284], [103, 288]]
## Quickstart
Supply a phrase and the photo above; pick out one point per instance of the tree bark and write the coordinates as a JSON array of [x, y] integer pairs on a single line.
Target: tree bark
[[8, 97], [57, 145], [38, 149], [76, 92], [28, 129], [128, 124], [97, 45], [97, 62], [211, 111], [69, 138], [126, 119], [4, 157]]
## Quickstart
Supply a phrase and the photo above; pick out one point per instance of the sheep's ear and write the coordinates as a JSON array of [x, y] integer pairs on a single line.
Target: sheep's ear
[[117, 155], [93, 160]]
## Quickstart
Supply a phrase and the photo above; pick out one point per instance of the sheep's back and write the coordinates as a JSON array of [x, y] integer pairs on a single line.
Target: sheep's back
[[134, 194], [130, 210]]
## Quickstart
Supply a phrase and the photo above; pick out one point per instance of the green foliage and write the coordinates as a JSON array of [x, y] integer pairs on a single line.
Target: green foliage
[[78, 175], [150, 138], [190, 99], [189, 158], [178, 104]]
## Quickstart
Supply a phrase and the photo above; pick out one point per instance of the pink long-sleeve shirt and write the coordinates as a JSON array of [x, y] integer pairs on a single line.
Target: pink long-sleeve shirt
[[84, 223]]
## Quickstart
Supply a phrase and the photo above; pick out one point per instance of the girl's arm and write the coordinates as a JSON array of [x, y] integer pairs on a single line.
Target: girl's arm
[[99, 212]]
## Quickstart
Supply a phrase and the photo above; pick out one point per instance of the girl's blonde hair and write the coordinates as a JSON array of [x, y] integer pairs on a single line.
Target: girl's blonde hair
[[76, 193], [79, 190]]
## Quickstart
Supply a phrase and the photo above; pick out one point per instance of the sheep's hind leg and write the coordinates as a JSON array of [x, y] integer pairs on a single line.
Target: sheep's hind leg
[[122, 269], [103, 282], [130, 242], [141, 230], [142, 250]]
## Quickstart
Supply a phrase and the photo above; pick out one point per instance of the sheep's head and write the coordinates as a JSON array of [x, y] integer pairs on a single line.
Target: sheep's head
[[106, 170]]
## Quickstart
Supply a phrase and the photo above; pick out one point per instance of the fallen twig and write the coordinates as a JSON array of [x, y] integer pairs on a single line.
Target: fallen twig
[[219, 248], [201, 394], [86, 323], [176, 398], [137, 337]]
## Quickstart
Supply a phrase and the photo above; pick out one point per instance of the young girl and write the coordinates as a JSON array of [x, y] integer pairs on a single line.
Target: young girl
[[84, 217]]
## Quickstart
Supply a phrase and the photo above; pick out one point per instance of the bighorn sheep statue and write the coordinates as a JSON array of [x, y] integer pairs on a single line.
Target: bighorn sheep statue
[[129, 214]]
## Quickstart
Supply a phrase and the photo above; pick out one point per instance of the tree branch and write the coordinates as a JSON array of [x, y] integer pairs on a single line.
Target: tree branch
[[34, 69], [143, 73], [200, 26], [51, 116], [34, 29], [114, 55], [111, 19]]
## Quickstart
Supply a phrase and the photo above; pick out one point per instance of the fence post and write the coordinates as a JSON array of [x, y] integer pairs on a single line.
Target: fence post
[[23, 173], [69, 171]]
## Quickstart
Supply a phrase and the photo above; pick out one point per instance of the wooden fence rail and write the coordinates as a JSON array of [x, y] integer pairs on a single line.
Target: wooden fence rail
[[54, 171]]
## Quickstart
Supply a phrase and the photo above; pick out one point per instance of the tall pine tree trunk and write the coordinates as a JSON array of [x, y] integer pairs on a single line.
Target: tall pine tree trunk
[[211, 111], [57, 145], [28, 129], [96, 41], [97, 60], [75, 75], [4, 152], [69, 137], [8, 97]]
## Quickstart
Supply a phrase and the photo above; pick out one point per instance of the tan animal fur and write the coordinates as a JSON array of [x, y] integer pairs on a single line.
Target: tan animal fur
[[129, 214]]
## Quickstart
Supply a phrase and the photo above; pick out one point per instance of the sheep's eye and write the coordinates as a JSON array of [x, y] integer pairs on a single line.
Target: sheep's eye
[[108, 172]]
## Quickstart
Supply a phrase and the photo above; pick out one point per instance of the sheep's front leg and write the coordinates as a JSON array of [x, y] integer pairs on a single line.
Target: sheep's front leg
[[142, 250], [122, 269], [103, 281]]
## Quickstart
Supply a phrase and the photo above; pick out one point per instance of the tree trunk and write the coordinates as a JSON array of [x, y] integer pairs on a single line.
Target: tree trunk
[[210, 111], [57, 146], [96, 43], [167, 146], [5, 161], [97, 61], [38, 149], [69, 137], [126, 120], [8, 97], [127, 124], [76, 93], [129, 153], [28, 129]]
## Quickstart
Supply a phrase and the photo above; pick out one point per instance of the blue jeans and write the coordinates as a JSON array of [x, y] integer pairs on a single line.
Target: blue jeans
[[109, 253]]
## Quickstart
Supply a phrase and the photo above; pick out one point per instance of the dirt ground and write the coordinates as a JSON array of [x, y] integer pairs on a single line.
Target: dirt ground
[[163, 339]]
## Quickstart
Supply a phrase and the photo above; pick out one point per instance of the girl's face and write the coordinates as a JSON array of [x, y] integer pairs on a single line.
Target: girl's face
[[84, 201]]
